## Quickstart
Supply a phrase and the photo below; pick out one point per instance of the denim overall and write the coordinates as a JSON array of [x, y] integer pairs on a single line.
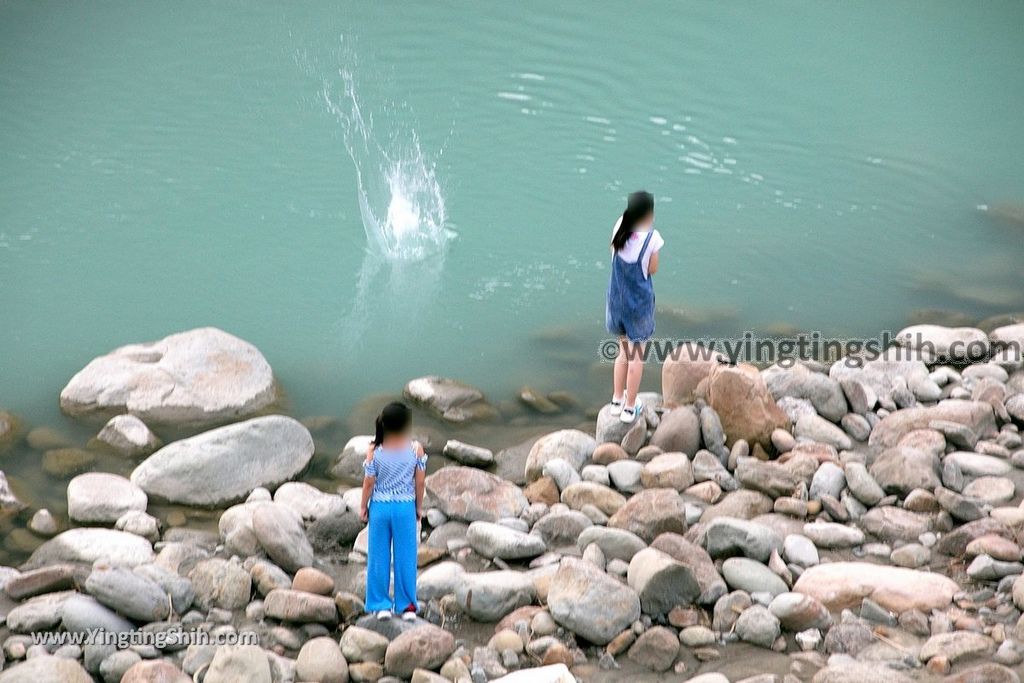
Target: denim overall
[[630, 308]]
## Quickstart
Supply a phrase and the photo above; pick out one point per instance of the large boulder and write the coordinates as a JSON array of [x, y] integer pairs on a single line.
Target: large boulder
[[571, 445], [683, 371], [225, 464], [976, 415], [744, 405], [199, 377], [591, 604], [87, 545], [450, 399], [843, 585], [470, 495]]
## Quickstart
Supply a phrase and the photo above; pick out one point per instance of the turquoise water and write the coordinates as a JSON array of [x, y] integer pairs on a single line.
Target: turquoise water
[[169, 165]]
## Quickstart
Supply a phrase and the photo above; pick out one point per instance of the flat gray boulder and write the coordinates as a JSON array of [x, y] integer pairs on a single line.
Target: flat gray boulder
[[86, 545], [202, 376], [225, 464]]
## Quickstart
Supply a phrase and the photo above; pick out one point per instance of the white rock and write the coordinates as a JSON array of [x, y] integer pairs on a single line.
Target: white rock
[[310, 502], [129, 436], [101, 498], [200, 376], [225, 464], [87, 545]]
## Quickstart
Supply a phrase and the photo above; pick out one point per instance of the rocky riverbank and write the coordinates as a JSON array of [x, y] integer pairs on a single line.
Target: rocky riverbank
[[850, 523]]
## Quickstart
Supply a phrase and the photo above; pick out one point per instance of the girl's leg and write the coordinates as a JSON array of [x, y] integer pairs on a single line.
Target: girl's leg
[[378, 562], [619, 373], [405, 556], [634, 371]]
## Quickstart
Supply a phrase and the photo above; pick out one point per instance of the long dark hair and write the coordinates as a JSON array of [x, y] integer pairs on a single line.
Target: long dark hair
[[640, 204], [394, 419]]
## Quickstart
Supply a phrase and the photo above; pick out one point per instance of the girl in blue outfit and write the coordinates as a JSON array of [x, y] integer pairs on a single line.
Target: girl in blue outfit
[[392, 503], [630, 307]]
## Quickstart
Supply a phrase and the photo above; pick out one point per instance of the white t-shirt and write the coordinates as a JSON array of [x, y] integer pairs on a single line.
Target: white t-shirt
[[635, 243]]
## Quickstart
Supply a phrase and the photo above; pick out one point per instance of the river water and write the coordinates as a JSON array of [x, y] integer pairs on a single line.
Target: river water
[[369, 192]]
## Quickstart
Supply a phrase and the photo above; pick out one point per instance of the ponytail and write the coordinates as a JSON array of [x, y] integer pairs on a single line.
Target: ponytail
[[394, 419], [640, 204]]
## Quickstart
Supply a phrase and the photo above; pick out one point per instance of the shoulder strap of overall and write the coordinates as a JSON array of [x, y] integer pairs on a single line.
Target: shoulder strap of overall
[[650, 233]]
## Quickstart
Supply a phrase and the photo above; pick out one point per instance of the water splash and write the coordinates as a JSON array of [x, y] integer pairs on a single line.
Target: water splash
[[400, 199]]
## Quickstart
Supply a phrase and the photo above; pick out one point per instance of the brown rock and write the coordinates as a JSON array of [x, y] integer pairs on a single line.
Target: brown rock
[[650, 513], [34, 582], [543, 490], [976, 415], [744, 405], [311, 580], [607, 453], [841, 585], [655, 649], [683, 373], [469, 494], [426, 646]]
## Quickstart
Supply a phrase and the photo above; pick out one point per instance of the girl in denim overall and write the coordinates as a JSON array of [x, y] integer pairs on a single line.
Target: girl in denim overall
[[629, 312], [392, 503]]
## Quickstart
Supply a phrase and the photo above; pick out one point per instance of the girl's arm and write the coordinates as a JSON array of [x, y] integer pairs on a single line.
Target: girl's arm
[[420, 478], [652, 267], [369, 479]]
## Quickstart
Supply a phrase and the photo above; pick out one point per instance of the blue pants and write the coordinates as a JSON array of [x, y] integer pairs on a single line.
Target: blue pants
[[392, 525]]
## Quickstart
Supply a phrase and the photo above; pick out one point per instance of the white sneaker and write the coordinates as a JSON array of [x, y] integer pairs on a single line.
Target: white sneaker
[[384, 615], [629, 414], [616, 407], [408, 616]]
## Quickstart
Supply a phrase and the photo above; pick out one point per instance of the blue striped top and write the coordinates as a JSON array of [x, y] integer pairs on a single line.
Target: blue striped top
[[394, 473]]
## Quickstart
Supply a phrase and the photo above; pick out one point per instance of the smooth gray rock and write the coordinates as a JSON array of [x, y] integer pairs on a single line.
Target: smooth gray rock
[[87, 545], [492, 540], [225, 464], [751, 576], [489, 596], [128, 593], [279, 530], [728, 536]]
